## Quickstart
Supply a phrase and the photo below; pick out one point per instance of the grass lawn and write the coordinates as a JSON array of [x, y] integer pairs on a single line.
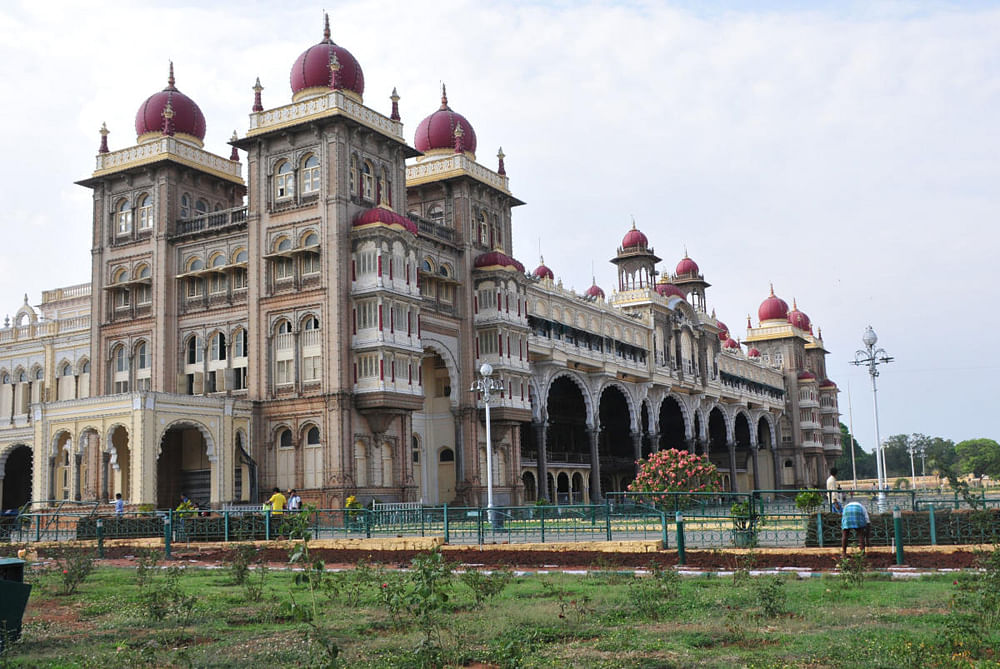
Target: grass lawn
[[430, 616]]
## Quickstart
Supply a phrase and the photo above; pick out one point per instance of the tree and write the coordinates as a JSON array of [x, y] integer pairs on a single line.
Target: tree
[[979, 457], [941, 454], [671, 470], [897, 455], [863, 460]]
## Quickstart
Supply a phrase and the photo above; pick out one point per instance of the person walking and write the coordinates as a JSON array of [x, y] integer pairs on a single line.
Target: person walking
[[119, 504], [294, 501], [831, 486], [277, 502]]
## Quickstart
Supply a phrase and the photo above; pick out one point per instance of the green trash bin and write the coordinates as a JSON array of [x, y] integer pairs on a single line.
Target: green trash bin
[[14, 593]]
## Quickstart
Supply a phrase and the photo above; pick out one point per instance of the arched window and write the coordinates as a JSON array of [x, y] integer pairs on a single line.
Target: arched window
[[6, 378], [39, 373], [218, 260], [284, 244], [185, 205], [195, 265], [311, 239], [120, 276], [310, 175], [142, 272], [426, 265], [353, 186], [484, 229], [144, 206], [141, 356], [311, 323], [283, 266], [312, 437], [22, 378], [436, 213], [67, 370], [444, 271], [84, 369], [240, 344], [447, 455], [241, 256], [195, 353], [284, 183], [121, 359], [285, 439], [368, 181], [218, 351], [201, 207], [123, 217], [384, 189], [284, 327]]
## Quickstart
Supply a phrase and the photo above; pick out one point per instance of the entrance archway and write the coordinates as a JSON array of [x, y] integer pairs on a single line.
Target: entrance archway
[[434, 432], [741, 433], [671, 425], [615, 447], [718, 450], [16, 478], [530, 491], [121, 463], [567, 431], [183, 467], [765, 455]]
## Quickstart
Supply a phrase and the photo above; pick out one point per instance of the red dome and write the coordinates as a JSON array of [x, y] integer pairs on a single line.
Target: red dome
[[384, 216], [187, 117], [667, 289], [753, 353], [634, 239], [543, 272], [437, 131], [731, 343], [827, 384], [686, 267], [773, 308], [798, 318], [594, 292], [312, 67], [723, 330], [807, 376], [497, 259]]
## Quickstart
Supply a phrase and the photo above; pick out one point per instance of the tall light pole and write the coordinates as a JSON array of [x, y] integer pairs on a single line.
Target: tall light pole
[[487, 385], [871, 358]]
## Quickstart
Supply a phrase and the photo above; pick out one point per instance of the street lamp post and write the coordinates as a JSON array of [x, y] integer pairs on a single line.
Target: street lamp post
[[871, 358], [487, 385]]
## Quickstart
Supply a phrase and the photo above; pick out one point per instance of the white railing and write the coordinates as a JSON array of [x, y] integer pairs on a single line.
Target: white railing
[[439, 165], [167, 146], [284, 341], [333, 103]]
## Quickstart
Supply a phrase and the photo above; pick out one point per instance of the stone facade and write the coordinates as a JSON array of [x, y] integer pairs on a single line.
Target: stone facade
[[319, 326]]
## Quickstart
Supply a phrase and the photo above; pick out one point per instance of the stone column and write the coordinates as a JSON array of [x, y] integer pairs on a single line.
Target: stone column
[[732, 467], [777, 463], [637, 448], [756, 475], [654, 442], [105, 475], [593, 434], [541, 431]]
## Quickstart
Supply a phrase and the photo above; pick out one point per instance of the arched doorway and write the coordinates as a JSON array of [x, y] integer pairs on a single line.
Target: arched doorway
[[562, 489], [672, 425], [566, 440], [121, 464], [183, 467], [434, 432], [16, 478], [62, 467], [741, 433], [446, 476], [718, 449], [530, 490], [615, 447], [765, 455]]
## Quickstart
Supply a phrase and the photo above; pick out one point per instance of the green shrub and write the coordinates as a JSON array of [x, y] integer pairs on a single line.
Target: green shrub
[[73, 567], [809, 501]]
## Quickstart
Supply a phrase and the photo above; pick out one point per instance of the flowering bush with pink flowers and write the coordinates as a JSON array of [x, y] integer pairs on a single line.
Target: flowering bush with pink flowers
[[675, 471]]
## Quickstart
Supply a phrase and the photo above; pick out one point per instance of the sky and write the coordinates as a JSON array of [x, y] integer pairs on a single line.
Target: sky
[[845, 152]]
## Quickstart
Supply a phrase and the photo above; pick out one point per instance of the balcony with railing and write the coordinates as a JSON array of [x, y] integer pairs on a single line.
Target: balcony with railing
[[217, 221]]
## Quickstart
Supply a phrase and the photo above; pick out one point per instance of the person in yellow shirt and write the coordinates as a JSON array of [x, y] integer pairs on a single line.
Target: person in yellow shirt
[[277, 502]]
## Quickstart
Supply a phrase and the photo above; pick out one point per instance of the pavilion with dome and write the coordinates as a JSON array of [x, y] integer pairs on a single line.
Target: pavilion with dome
[[309, 311]]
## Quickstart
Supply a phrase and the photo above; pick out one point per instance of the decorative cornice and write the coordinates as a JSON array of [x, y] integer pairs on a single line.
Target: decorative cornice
[[333, 103], [168, 148]]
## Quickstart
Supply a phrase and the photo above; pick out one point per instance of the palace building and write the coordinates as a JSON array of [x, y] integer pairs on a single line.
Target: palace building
[[318, 324]]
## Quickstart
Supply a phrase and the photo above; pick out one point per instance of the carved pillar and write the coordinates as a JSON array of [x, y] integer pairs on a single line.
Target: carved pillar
[[105, 475], [732, 467], [756, 475], [776, 461], [541, 431], [595, 466], [637, 449], [654, 442]]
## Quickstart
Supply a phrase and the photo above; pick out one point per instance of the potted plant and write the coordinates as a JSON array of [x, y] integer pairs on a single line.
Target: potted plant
[[744, 524]]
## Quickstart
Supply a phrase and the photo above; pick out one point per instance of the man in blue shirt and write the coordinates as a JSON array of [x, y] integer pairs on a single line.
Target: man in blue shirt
[[855, 518]]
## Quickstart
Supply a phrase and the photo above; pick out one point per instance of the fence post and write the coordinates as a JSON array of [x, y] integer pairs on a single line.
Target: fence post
[[446, 537], [100, 538], [38, 527], [479, 525], [368, 522], [897, 528], [607, 517], [930, 511], [541, 515], [421, 520], [225, 526], [681, 558], [167, 532], [819, 528], [267, 524], [663, 529]]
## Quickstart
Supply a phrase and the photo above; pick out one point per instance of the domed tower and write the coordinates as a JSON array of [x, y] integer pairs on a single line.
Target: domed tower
[[151, 200], [688, 277], [636, 262], [325, 67]]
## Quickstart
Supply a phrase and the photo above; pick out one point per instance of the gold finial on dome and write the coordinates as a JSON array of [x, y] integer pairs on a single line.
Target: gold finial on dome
[[326, 27], [795, 307], [772, 288], [395, 105], [170, 77], [444, 96], [685, 251]]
